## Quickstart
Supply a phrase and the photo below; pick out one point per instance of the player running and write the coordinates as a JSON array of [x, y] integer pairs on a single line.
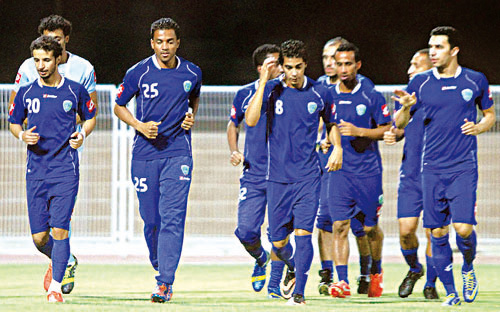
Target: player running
[[166, 87], [51, 104]]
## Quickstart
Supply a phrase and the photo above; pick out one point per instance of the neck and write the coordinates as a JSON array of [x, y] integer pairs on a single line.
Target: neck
[[334, 79], [53, 80], [64, 57], [346, 86], [172, 63], [300, 83], [449, 69]]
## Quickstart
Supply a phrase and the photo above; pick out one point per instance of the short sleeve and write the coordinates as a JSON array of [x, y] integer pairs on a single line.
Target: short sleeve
[[240, 103], [381, 113], [128, 89], [90, 81], [17, 111], [86, 108], [486, 99]]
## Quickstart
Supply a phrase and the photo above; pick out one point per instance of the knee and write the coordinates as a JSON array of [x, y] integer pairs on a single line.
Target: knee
[[301, 232], [60, 234], [463, 230], [246, 236], [40, 240], [341, 228], [281, 243]]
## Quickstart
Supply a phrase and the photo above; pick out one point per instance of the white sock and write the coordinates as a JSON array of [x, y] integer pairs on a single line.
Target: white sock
[[54, 286]]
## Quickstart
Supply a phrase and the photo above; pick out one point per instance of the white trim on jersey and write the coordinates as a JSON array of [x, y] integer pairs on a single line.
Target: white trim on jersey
[[436, 73], [356, 88]]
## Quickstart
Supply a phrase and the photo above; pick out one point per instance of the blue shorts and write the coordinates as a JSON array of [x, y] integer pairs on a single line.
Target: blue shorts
[[410, 202], [51, 202], [292, 206], [449, 197], [251, 210], [351, 195], [323, 220]]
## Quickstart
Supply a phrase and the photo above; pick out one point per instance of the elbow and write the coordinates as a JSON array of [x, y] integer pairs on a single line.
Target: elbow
[[250, 123]]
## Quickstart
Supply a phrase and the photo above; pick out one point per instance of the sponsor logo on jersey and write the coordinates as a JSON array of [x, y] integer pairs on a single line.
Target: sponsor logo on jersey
[[385, 110], [489, 94], [311, 107], [185, 169], [467, 94], [444, 88], [233, 112], [184, 178], [50, 96], [67, 104], [95, 78], [187, 85], [344, 102], [360, 109], [120, 91], [18, 78], [11, 109], [90, 106], [334, 108], [381, 199]]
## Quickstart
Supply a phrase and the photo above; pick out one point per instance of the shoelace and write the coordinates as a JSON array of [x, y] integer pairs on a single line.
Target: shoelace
[[469, 281]]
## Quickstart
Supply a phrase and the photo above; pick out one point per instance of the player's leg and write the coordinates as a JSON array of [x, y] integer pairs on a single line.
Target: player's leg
[[365, 257], [430, 291], [175, 181], [277, 266], [251, 213], [145, 176]]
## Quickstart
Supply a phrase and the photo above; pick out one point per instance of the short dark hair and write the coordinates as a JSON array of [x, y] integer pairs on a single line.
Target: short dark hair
[[334, 41], [452, 33], [423, 51], [293, 48], [346, 47], [166, 23], [47, 44], [54, 22], [260, 54]]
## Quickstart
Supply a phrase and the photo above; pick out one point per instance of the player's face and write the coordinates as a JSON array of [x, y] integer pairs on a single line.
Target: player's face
[[165, 45], [347, 67], [440, 51], [419, 63], [329, 65], [276, 70], [294, 69], [45, 62], [58, 34]]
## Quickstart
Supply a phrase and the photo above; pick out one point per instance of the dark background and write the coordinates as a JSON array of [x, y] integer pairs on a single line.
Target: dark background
[[220, 36]]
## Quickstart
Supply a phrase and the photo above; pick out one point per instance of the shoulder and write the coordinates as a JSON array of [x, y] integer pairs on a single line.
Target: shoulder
[[420, 78], [195, 69], [365, 80], [140, 67], [28, 64], [323, 79], [246, 89], [474, 75], [80, 61]]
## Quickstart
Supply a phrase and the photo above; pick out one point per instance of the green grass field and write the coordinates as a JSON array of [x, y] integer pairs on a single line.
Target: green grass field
[[216, 288]]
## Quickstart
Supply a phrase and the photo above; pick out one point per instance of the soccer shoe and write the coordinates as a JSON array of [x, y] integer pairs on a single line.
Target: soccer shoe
[[274, 293], [68, 282], [259, 274], [452, 300], [363, 284], [430, 293], [47, 279], [55, 297], [326, 281], [297, 299], [340, 290], [288, 284], [376, 285], [162, 293], [471, 287], [406, 287]]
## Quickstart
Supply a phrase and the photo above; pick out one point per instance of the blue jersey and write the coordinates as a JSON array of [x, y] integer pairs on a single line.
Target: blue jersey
[[76, 68], [293, 119], [446, 102], [162, 95], [53, 111], [364, 107], [255, 163]]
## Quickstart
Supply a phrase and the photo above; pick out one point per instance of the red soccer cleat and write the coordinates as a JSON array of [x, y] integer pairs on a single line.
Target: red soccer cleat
[[48, 278], [376, 285], [55, 297], [340, 289]]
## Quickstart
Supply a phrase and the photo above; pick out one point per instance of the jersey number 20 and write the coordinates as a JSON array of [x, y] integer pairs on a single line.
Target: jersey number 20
[[33, 105]]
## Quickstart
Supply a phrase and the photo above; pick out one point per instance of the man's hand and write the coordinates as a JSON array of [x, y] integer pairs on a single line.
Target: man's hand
[[324, 145], [76, 139], [30, 137], [236, 158], [404, 98], [335, 159], [149, 129], [348, 129], [390, 136], [469, 128], [267, 68], [188, 122]]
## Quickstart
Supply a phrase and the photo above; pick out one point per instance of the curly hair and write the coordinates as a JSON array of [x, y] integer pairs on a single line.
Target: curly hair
[[47, 44], [166, 23], [293, 48], [54, 22]]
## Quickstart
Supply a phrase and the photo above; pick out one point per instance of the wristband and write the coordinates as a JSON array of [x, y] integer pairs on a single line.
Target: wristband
[[83, 134], [20, 136]]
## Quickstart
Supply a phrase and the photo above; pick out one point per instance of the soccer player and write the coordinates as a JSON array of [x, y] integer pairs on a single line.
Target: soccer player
[[166, 88], [448, 95], [72, 67], [324, 221], [410, 193], [50, 104], [356, 190], [293, 104], [252, 200]]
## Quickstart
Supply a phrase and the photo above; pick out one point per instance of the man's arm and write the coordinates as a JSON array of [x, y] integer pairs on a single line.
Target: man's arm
[[149, 129], [188, 121], [252, 114], [335, 159], [488, 120], [348, 129], [393, 135], [29, 137], [232, 140], [402, 116], [78, 137]]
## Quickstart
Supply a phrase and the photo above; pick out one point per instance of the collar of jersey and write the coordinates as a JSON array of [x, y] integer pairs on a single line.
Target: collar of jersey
[[39, 80], [436, 74], [283, 83], [356, 88], [155, 61]]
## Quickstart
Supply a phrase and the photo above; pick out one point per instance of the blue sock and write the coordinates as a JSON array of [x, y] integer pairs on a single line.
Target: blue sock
[[258, 254], [304, 255], [411, 258], [286, 254], [467, 247], [443, 261], [47, 248], [60, 256], [376, 267], [342, 273], [431, 272], [276, 274], [365, 264], [327, 265]]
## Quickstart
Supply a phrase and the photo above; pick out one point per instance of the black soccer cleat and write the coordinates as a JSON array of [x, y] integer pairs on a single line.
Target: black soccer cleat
[[363, 284], [326, 281], [430, 293], [288, 284], [406, 287], [297, 299]]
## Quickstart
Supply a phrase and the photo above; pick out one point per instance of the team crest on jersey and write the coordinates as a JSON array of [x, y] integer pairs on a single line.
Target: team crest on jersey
[[467, 94], [361, 109], [381, 199], [185, 169], [187, 85], [311, 107], [67, 104]]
